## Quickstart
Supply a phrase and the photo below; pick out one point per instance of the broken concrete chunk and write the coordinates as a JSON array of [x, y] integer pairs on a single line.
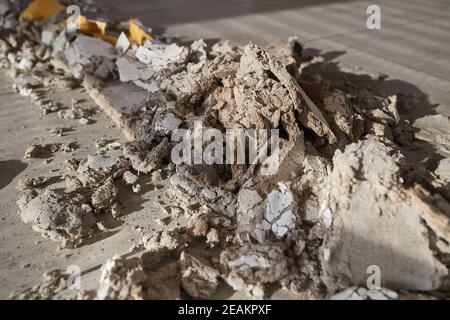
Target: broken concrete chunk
[[98, 163], [49, 34], [129, 178], [90, 55], [199, 226], [162, 241], [32, 183], [443, 170], [76, 112], [123, 44], [280, 210], [121, 279], [57, 216], [132, 279], [52, 283], [345, 122], [193, 188], [212, 237], [375, 222], [143, 158], [160, 56], [167, 123], [164, 283], [193, 84], [199, 48], [251, 208], [84, 121], [222, 47], [136, 188], [266, 93], [46, 150], [435, 129], [151, 63], [171, 68], [132, 70], [124, 103], [198, 279]]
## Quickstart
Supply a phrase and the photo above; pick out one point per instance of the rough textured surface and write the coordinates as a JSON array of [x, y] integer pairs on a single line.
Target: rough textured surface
[[443, 170], [126, 279], [86, 55], [52, 283], [374, 221]]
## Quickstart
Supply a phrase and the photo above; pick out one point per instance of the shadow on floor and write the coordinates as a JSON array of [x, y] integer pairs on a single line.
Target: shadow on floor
[[9, 170]]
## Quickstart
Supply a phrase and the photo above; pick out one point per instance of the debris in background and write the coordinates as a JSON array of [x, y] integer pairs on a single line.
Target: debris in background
[[137, 34], [52, 283], [121, 279], [125, 279]]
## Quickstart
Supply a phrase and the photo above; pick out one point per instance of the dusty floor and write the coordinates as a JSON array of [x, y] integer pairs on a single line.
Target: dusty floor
[[417, 67], [24, 254]]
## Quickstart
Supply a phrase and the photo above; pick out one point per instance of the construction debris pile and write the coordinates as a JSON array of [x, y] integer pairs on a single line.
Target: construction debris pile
[[344, 198]]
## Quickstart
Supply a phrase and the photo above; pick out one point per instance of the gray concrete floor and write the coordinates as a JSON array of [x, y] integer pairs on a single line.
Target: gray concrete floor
[[24, 254]]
